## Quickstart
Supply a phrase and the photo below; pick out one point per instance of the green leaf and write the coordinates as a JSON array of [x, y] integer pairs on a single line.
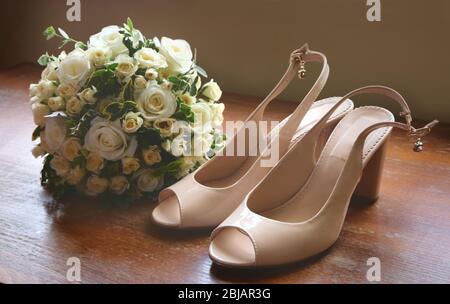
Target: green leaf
[[116, 110], [81, 45], [49, 32], [170, 168], [130, 24], [184, 113], [201, 71], [63, 33], [79, 161], [106, 83], [36, 133]]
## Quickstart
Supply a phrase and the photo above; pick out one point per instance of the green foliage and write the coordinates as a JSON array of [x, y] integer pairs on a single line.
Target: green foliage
[[105, 81], [111, 168], [36, 133], [81, 127], [45, 59], [50, 33], [170, 168], [133, 38], [51, 181], [116, 110], [148, 136], [184, 112]]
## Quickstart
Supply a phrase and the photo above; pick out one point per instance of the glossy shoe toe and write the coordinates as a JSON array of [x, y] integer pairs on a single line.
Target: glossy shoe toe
[[167, 213], [232, 247]]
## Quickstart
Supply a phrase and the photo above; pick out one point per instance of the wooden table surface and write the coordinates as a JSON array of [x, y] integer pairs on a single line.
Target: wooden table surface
[[408, 228]]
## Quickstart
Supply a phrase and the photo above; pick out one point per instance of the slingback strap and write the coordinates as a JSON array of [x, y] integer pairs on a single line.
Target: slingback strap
[[296, 67], [391, 93]]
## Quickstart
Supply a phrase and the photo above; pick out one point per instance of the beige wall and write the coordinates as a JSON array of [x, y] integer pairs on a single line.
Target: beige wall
[[245, 44]]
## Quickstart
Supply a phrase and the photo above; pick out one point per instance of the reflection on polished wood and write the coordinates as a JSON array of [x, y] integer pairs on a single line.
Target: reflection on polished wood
[[408, 228]]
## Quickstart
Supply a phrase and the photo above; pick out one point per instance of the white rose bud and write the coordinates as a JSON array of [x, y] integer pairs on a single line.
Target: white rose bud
[[151, 74], [56, 103], [125, 67], [99, 56], [147, 182], [34, 99], [39, 112], [60, 165], [96, 185], [140, 82], [71, 148], [74, 106], [217, 110], [151, 155], [167, 85], [212, 91], [45, 89], [38, 151], [49, 73], [32, 90], [132, 122], [119, 184], [66, 90], [88, 96], [94, 163], [187, 99], [164, 125], [75, 176], [130, 165]]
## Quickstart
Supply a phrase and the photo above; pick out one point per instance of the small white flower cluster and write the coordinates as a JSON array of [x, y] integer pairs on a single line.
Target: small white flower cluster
[[123, 114]]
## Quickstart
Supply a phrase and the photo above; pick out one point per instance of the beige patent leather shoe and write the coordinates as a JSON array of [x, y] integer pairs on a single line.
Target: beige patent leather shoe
[[298, 210], [206, 197]]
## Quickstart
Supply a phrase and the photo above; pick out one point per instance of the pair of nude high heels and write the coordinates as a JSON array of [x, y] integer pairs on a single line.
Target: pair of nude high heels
[[295, 209]]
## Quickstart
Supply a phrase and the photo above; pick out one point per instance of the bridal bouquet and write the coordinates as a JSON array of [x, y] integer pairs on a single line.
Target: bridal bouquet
[[123, 114]]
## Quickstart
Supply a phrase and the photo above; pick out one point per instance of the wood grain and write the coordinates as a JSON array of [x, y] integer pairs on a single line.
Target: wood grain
[[408, 228]]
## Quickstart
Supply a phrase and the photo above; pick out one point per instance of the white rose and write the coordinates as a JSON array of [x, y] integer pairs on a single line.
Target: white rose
[[94, 163], [96, 185], [188, 164], [203, 117], [151, 155], [45, 89], [74, 69], [54, 134], [212, 91], [147, 182], [178, 54], [119, 184], [109, 37], [217, 111], [140, 83], [99, 55], [74, 106], [39, 112], [155, 102], [49, 73], [56, 103], [109, 140], [165, 126], [126, 67], [60, 165], [88, 96], [75, 175], [188, 99], [132, 122], [71, 148], [149, 58], [38, 151], [66, 90], [130, 165], [180, 145]]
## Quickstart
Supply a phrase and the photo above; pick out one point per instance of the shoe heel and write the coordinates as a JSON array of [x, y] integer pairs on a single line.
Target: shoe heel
[[368, 187]]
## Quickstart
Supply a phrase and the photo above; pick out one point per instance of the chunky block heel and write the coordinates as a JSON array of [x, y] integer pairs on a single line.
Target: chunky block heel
[[368, 188]]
